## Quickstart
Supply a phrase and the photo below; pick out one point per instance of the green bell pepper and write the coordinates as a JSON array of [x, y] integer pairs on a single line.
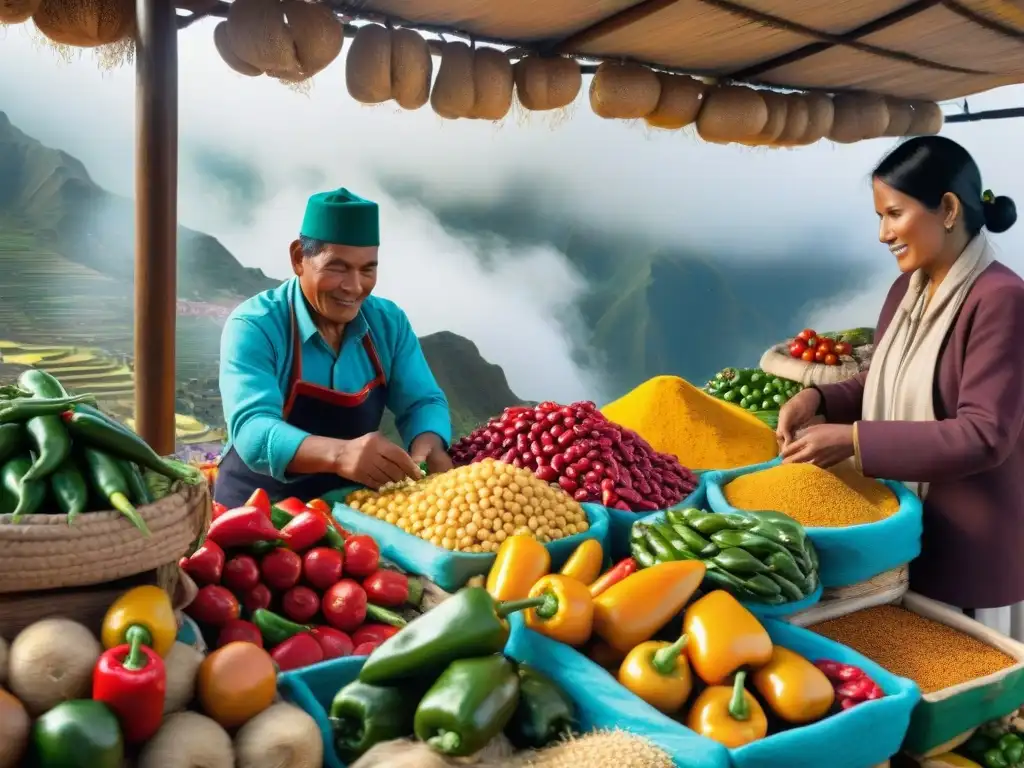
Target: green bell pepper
[[994, 758], [78, 734], [469, 623], [471, 703], [545, 713], [364, 715], [1012, 747]]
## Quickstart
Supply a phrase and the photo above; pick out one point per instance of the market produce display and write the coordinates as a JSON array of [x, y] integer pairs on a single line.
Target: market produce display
[[752, 389], [812, 496], [308, 590], [59, 453], [830, 349], [701, 431], [587, 455], [931, 654], [760, 557]]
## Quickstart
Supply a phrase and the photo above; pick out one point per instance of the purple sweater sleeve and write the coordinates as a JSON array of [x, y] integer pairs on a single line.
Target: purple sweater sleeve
[[989, 413]]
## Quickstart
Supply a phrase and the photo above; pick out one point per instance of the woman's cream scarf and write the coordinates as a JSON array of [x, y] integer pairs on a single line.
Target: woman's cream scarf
[[902, 374]]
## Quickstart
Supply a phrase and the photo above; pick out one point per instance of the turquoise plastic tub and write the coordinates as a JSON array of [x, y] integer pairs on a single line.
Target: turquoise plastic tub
[[621, 523], [853, 553], [451, 570]]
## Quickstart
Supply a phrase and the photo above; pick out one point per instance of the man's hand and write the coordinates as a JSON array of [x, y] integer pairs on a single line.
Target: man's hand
[[430, 448], [373, 461], [823, 445]]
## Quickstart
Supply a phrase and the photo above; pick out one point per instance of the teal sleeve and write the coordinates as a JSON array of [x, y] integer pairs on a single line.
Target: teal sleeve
[[414, 396], [253, 402]]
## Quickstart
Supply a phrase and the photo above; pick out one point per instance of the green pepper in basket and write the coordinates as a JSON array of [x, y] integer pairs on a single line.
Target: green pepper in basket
[[108, 479], [1012, 747], [29, 495], [12, 440], [78, 734], [136, 483], [471, 703], [70, 490], [46, 432], [545, 714], [364, 715]]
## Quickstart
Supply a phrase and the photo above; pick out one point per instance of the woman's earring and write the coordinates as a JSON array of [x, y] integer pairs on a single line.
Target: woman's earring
[[949, 228]]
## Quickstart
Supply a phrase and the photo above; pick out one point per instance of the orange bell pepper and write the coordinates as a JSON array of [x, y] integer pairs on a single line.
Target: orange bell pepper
[[567, 614], [659, 673], [793, 688], [520, 563], [584, 564], [728, 714], [724, 637], [633, 610]]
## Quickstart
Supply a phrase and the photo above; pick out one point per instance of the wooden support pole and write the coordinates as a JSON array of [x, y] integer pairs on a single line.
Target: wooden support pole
[[156, 220]]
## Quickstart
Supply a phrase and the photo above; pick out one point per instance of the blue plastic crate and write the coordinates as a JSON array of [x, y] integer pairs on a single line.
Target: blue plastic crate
[[853, 553], [622, 522], [451, 570]]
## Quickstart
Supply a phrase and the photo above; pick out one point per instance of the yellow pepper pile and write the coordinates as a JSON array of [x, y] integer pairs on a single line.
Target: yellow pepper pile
[[722, 644]]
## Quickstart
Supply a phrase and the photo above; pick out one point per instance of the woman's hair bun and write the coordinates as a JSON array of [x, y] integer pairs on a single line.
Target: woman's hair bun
[[1000, 213]]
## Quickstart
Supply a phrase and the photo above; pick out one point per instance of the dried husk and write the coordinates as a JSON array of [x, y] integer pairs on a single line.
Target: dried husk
[[291, 40], [223, 46], [858, 116], [452, 96], [778, 108], [820, 116], [317, 35], [624, 91], [545, 83], [493, 84], [411, 68], [927, 120], [732, 114], [678, 104], [798, 118], [368, 65], [85, 23], [901, 115], [17, 11]]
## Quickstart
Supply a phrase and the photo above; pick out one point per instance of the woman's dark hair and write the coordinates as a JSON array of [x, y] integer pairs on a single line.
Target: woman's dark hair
[[927, 167]]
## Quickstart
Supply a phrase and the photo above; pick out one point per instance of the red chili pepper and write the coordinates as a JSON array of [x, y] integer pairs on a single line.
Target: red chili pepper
[[304, 531], [392, 589], [213, 605], [321, 506], [218, 509], [131, 679], [362, 556], [365, 649], [239, 630], [839, 672], [300, 650], [617, 573], [333, 642], [206, 564], [260, 500], [292, 506], [373, 633], [242, 527], [856, 689]]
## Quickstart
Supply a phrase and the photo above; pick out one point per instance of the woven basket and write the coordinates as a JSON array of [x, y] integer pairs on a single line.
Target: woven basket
[[43, 552], [883, 588]]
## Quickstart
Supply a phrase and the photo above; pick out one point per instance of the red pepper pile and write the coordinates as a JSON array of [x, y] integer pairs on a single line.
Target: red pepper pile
[[852, 684], [590, 457], [321, 583]]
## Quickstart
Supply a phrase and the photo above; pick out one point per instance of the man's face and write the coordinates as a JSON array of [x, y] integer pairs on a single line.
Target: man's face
[[337, 280]]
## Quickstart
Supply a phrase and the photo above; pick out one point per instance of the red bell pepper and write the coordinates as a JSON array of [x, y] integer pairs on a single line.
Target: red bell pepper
[[392, 589], [333, 642], [617, 573], [362, 556], [242, 527], [206, 564], [260, 500], [239, 630], [131, 679], [297, 651], [304, 531], [373, 633]]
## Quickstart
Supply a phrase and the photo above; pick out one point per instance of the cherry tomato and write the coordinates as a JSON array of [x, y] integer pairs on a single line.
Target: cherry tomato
[[807, 334], [281, 569], [831, 359], [797, 348], [843, 349], [827, 344], [808, 355], [819, 355]]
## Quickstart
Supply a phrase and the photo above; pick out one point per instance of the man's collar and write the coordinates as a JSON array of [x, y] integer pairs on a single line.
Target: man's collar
[[307, 328]]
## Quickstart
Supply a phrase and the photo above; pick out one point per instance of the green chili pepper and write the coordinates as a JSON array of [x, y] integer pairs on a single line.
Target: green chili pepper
[[756, 545], [739, 562], [139, 496], [469, 623], [275, 629], [713, 522], [29, 494], [70, 489], [544, 715], [724, 580], [46, 432], [20, 411], [108, 479], [642, 556], [471, 703], [364, 715], [657, 544], [789, 531], [675, 541], [783, 564], [994, 758], [12, 440], [762, 585], [693, 540], [789, 589], [263, 547]]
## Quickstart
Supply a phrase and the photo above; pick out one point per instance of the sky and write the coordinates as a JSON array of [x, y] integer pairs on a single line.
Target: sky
[[606, 174]]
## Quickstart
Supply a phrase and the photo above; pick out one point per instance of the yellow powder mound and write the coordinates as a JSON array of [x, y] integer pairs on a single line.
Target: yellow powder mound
[[877, 493], [810, 495], [703, 433]]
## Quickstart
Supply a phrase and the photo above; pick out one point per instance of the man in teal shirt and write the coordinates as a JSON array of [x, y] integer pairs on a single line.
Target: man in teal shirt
[[307, 369]]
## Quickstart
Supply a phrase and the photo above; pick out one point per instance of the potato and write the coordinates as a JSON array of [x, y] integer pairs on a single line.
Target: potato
[[279, 736], [189, 740], [182, 664], [52, 661]]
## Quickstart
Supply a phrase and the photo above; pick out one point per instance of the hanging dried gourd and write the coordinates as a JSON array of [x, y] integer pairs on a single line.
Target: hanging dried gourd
[[778, 108], [901, 115], [732, 114], [17, 11], [472, 83], [821, 114], [385, 64], [85, 23], [679, 102], [291, 40], [798, 118], [624, 91], [547, 82], [223, 46], [858, 117], [928, 119]]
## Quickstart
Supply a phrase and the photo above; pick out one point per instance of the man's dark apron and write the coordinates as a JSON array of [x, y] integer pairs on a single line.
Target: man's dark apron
[[318, 410]]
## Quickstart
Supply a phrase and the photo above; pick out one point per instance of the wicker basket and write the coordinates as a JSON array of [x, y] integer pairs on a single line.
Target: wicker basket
[[42, 552]]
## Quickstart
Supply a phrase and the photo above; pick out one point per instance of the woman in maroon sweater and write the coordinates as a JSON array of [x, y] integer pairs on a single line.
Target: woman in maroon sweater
[[942, 406]]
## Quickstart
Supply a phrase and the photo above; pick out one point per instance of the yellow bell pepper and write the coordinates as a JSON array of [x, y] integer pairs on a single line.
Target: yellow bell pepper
[[520, 563], [793, 688], [728, 714], [633, 610], [584, 564], [658, 673], [145, 610], [724, 636], [567, 614]]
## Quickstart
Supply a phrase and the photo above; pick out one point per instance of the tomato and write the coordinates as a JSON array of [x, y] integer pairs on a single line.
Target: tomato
[[322, 567], [344, 605], [808, 355], [831, 359], [257, 597], [806, 334], [241, 573], [361, 556], [843, 349], [813, 341], [300, 604], [826, 344], [241, 631], [281, 569], [797, 348], [819, 355]]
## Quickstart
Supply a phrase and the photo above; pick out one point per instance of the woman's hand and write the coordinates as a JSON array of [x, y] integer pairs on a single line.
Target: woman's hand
[[823, 445], [429, 448], [797, 414]]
